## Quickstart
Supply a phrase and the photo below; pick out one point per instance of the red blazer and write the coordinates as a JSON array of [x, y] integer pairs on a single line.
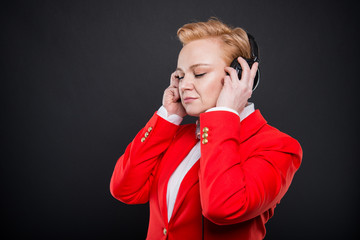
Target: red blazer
[[244, 170]]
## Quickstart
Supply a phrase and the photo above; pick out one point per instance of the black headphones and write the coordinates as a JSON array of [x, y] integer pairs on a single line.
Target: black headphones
[[254, 58]]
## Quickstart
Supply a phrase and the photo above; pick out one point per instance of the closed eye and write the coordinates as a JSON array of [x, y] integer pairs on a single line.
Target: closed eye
[[199, 75], [196, 75]]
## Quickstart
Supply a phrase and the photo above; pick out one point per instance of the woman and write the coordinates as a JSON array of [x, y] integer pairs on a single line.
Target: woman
[[222, 177]]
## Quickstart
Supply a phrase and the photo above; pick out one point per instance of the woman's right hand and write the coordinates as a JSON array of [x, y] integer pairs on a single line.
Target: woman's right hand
[[171, 99]]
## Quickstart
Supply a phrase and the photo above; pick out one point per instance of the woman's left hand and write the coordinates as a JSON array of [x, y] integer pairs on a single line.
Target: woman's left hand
[[235, 93]]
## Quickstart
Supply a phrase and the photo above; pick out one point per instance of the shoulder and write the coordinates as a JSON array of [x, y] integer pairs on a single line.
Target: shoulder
[[269, 137]]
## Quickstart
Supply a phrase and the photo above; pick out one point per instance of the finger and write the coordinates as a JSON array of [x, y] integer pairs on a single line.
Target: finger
[[233, 74], [243, 63], [171, 94], [254, 69], [227, 80], [253, 72], [245, 69], [174, 81], [176, 94]]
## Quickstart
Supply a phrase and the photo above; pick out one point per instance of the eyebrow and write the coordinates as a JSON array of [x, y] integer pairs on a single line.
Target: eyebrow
[[195, 65]]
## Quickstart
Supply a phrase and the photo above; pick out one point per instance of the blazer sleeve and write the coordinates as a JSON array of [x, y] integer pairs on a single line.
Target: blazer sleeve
[[234, 189], [134, 171]]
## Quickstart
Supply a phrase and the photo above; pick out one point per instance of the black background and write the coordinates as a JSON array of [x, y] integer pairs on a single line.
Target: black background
[[80, 78]]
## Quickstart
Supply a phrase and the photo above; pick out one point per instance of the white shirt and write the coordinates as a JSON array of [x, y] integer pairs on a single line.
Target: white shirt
[[193, 156]]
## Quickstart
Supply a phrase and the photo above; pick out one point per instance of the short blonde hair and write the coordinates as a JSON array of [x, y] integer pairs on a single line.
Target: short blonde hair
[[235, 40]]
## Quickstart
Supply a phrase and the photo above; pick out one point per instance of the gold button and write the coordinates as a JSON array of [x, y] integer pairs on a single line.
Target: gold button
[[149, 129], [146, 134], [143, 139], [165, 231], [205, 129], [205, 135], [205, 141]]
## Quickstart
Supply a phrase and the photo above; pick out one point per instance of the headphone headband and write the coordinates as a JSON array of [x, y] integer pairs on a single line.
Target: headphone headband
[[253, 58], [253, 48]]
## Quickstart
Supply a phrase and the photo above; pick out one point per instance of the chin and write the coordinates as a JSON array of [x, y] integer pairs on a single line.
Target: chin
[[194, 112]]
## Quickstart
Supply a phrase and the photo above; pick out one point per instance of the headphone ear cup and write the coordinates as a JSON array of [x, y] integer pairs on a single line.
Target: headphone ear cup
[[255, 58], [236, 65]]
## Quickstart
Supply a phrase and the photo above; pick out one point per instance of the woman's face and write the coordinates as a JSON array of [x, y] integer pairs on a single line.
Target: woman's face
[[201, 73]]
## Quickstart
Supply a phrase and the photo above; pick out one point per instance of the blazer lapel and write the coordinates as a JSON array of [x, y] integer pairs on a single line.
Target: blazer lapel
[[190, 179], [183, 143]]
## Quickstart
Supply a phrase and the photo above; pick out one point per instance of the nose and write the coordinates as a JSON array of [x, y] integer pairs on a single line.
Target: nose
[[187, 83]]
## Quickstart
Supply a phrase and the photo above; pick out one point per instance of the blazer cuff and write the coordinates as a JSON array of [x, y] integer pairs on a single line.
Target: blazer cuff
[[174, 118]]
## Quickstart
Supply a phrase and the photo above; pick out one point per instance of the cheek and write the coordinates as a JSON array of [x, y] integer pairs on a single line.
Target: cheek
[[217, 84], [213, 89]]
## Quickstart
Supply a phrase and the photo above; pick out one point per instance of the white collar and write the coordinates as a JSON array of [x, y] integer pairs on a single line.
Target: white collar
[[249, 109]]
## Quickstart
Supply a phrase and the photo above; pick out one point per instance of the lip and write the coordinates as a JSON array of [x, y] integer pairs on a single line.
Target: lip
[[189, 99]]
